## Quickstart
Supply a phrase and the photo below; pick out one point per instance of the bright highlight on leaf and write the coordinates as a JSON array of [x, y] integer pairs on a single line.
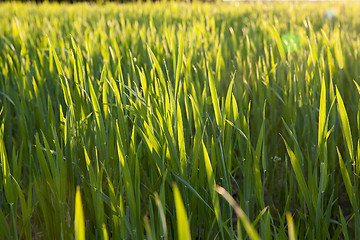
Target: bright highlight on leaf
[[291, 227], [181, 217], [79, 217]]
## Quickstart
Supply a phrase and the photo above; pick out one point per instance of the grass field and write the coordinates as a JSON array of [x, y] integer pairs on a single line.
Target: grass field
[[178, 121]]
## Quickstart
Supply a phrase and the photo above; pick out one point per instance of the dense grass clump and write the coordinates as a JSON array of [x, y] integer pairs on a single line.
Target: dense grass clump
[[177, 121]]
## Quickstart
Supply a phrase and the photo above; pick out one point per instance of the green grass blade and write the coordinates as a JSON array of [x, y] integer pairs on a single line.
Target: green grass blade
[[215, 99], [183, 228], [212, 189], [299, 177], [343, 225], [239, 212], [345, 126], [347, 181]]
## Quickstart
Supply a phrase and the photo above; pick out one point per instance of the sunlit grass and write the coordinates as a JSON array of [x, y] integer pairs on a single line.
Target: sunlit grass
[[179, 121]]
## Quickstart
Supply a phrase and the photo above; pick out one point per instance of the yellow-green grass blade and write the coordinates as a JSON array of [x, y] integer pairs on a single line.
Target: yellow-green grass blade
[[322, 114], [345, 126], [227, 110], [291, 227], [212, 189], [274, 33], [214, 99], [347, 181], [105, 233], [240, 213], [79, 217], [183, 227]]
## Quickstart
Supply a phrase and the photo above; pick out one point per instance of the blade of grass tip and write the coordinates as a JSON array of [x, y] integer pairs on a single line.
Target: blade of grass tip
[[322, 113], [297, 149], [153, 223], [218, 63], [227, 110], [299, 177], [291, 227], [105, 234], [26, 212], [215, 99], [257, 219], [14, 222], [343, 225], [346, 179], [181, 217], [357, 86], [357, 164], [79, 217], [188, 186], [313, 51], [239, 212], [236, 128], [274, 33], [90, 168], [345, 126]]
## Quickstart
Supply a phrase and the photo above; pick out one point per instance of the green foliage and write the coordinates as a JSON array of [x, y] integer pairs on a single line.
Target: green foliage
[[178, 121]]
